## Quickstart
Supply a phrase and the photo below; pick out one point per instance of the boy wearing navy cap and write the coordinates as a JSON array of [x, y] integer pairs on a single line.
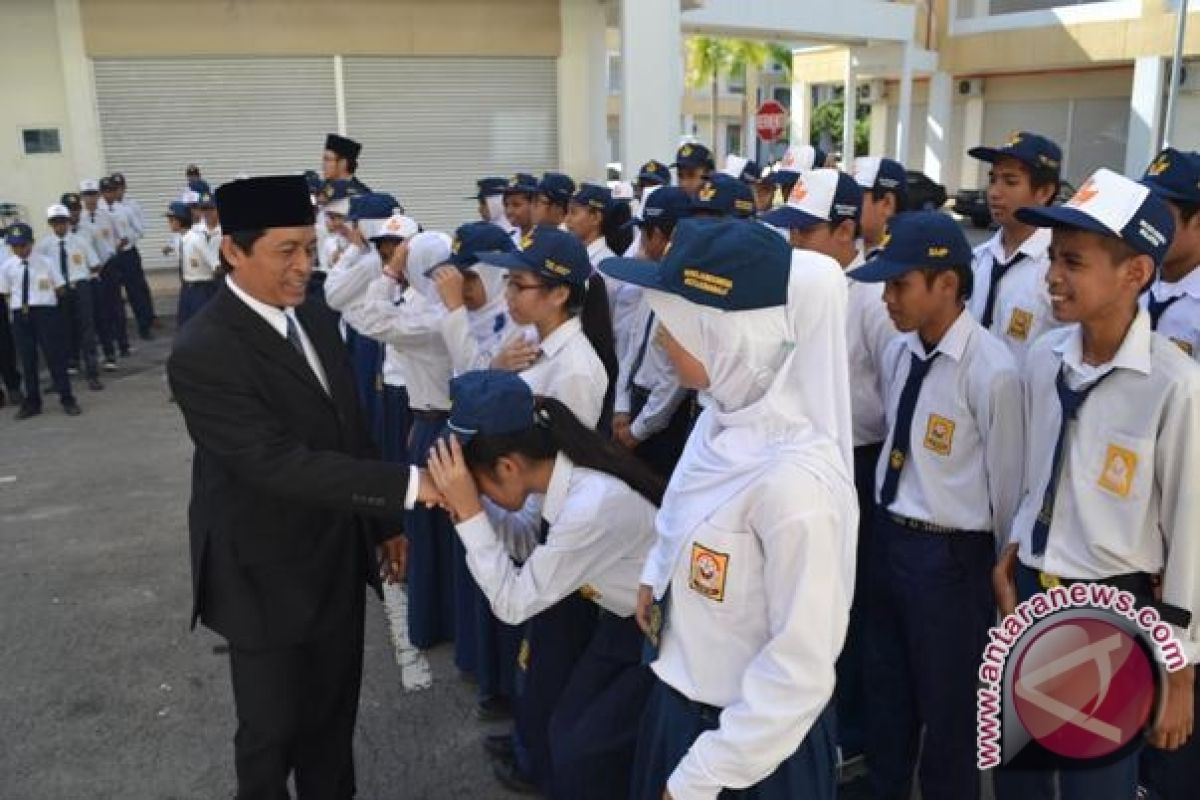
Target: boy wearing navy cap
[[518, 201], [340, 161], [722, 196], [553, 199], [693, 163], [1174, 299], [1112, 498], [31, 285], [77, 263], [949, 480], [652, 173], [1010, 268], [199, 255], [885, 194]]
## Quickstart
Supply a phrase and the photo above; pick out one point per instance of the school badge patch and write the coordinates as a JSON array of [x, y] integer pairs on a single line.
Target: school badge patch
[[709, 571], [939, 435], [590, 593], [1120, 465], [76, 258], [1185, 346], [1019, 324]]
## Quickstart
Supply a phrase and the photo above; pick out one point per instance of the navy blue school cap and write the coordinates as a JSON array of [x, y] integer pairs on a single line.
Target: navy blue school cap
[[874, 173], [728, 264], [521, 183], [118, 179], [108, 185], [666, 205], [820, 196], [478, 237], [721, 194], [376, 205], [18, 233], [556, 256], [917, 240], [70, 199], [592, 195], [1031, 149], [315, 181], [491, 402], [556, 186], [654, 173], [488, 187], [693, 155], [1112, 205], [1174, 175], [180, 211], [199, 186]]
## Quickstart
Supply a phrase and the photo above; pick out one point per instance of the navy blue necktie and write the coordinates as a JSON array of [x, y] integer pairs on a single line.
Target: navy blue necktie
[[62, 262], [902, 433], [999, 270], [1069, 401], [641, 354], [25, 286], [1159, 307]]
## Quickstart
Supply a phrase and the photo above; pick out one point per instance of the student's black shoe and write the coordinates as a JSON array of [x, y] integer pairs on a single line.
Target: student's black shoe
[[25, 412], [110, 364], [493, 709], [512, 779], [94, 384], [72, 409], [73, 370], [499, 746]]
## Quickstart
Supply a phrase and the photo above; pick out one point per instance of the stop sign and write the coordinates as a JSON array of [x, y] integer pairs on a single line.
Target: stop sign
[[770, 120]]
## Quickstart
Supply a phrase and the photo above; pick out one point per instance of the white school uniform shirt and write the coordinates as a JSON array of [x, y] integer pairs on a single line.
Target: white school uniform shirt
[[99, 226], [44, 279], [122, 225], [569, 370], [197, 257], [599, 533], [1022, 309], [869, 329], [81, 259], [1181, 321], [765, 617], [136, 217], [214, 243], [622, 297], [1127, 498], [656, 374], [965, 449], [330, 250], [468, 352]]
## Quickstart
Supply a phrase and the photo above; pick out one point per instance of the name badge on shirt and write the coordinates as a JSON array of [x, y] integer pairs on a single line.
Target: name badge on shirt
[[1119, 468], [76, 259], [1183, 345], [105, 232], [709, 571], [1019, 324], [195, 262], [44, 285], [939, 435]]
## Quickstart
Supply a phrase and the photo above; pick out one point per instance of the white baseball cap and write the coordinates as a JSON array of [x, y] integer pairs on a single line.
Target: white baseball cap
[[820, 195], [89, 185], [57, 211], [397, 226]]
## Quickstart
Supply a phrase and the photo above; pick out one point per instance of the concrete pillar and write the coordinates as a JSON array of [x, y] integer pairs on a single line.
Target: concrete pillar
[[83, 114], [651, 81], [879, 128], [582, 87], [849, 110], [969, 169], [937, 126], [904, 109], [801, 110], [1145, 113]]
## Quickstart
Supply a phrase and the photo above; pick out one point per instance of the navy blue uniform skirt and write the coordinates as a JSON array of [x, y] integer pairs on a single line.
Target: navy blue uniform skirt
[[672, 723], [393, 423], [431, 554], [366, 356]]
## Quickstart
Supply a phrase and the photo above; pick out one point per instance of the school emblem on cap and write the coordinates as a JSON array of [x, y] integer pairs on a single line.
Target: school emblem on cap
[[456, 245], [1085, 193], [1119, 468], [515, 180], [1160, 165], [799, 192], [527, 241], [885, 238], [939, 252], [1019, 324], [939, 435], [707, 192], [709, 571], [707, 282], [685, 151], [550, 265], [1014, 139], [652, 166]]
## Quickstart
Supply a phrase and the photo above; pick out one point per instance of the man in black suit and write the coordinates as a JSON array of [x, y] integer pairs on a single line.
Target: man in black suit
[[288, 499]]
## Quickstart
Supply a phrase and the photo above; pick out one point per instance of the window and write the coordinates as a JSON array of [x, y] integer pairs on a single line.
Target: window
[[736, 82], [733, 138], [40, 141], [614, 73]]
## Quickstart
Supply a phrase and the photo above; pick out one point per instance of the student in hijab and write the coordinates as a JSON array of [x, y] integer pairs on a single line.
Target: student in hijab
[[599, 524], [756, 532]]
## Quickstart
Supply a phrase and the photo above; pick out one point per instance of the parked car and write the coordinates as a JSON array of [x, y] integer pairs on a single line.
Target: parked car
[[972, 203], [923, 193]]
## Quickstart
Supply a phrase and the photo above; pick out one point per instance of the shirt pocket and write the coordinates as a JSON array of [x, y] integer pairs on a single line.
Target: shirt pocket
[[1119, 468], [721, 565]]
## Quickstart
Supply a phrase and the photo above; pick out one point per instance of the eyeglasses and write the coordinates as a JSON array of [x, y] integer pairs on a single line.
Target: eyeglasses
[[511, 285]]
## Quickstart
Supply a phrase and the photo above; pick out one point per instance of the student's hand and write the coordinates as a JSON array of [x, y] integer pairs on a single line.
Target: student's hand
[[515, 356], [453, 479], [355, 236], [393, 562], [427, 492], [620, 421], [1004, 581], [645, 600], [1176, 722], [626, 439], [449, 282]]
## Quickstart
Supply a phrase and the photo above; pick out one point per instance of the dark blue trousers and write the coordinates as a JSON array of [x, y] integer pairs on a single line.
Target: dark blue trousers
[[110, 309], [366, 356], [9, 373], [496, 650], [393, 424], [41, 328], [1174, 775], [431, 543], [672, 723], [192, 297], [133, 279], [929, 604]]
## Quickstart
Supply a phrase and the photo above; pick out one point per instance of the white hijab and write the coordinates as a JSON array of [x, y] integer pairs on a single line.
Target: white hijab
[[492, 316], [779, 385], [426, 250]]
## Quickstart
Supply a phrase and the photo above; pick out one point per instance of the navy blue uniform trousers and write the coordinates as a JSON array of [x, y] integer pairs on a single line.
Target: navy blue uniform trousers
[[41, 328]]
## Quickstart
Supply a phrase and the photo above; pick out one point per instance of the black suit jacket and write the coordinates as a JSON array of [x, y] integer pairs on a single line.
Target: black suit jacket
[[288, 497]]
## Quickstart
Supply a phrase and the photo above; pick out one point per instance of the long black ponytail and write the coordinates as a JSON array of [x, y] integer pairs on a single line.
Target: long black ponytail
[[591, 304], [617, 234], [556, 429]]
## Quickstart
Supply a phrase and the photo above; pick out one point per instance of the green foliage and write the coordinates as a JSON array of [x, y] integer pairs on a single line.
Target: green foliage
[[828, 119]]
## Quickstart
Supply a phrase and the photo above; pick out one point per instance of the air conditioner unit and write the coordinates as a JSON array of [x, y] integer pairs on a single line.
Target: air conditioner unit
[[872, 92], [970, 87]]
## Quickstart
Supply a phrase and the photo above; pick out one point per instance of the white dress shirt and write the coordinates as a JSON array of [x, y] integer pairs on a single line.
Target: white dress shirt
[[136, 217], [869, 329], [1021, 312], [569, 370], [600, 531], [99, 226], [656, 374], [44, 280], [964, 462], [197, 256], [81, 259], [760, 599], [1127, 498], [622, 297], [121, 224], [1181, 321]]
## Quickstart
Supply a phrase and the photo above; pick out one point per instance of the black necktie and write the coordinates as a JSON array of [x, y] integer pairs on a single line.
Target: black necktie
[[999, 270], [641, 354], [293, 337], [1069, 401], [902, 433], [1159, 307], [25, 286], [62, 262]]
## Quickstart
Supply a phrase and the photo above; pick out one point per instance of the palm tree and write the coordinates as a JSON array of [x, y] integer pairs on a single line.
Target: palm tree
[[744, 56], [708, 57]]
